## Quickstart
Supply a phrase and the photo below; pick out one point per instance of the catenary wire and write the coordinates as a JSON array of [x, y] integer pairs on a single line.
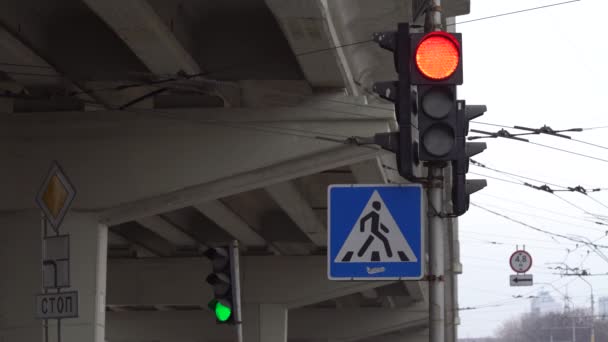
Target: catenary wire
[[477, 164], [514, 12], [538, 229], [595, 229], [527, 205], [571, 139]]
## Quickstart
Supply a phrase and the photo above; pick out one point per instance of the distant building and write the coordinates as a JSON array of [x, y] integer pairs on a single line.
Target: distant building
[[603, 307], [544, 304]]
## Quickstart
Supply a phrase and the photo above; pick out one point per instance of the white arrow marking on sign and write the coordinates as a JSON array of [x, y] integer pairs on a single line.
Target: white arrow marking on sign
[[376, 237]]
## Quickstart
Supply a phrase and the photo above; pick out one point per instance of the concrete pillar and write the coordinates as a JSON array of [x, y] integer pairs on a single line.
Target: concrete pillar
[[20, 276], [265, 323], [20, 271]]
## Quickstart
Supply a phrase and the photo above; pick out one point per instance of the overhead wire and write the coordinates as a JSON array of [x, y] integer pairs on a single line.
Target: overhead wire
[[512, 237], [545, 188], [599, 217], [595, 229], [593, 128], [527, 205], [478, 164], [496, 178], [536, 228], [514, 12], [566, 151], [551, 147], [507, 302]]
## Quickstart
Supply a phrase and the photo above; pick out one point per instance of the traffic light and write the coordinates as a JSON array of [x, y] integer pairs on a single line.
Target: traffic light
[[436, 70], [462, 187], [405, 142], [433, 123], [225, 282]]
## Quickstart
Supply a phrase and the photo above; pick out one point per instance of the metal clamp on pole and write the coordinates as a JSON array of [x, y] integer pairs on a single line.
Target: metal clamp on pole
[[432, 21], [432, 278]]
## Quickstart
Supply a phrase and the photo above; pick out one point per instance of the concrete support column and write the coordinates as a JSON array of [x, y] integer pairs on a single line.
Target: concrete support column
[[266, 324], [20, 274], [21, 268]]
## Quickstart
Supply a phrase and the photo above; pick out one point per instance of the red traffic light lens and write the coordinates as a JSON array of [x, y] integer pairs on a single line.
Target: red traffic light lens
[[438, 55]]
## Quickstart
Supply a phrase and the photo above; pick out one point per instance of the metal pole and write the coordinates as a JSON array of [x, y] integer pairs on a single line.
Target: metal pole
[[437, 261], [44, 235], [234, 250], [437, 226], [432, 21], [592, 309], [573, 329]]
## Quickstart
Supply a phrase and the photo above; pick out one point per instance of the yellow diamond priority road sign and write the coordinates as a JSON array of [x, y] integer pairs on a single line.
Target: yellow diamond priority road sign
[[55, 196]]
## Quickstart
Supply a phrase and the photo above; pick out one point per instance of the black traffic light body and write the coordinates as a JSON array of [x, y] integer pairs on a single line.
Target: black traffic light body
[[437, 99], [462, 187], [225, 282], [437, 122], [403, 94], [433, 123]]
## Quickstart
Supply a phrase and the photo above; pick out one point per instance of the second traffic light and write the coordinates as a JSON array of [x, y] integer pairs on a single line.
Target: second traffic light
[[224, 280], [405, 142], [462, 187]]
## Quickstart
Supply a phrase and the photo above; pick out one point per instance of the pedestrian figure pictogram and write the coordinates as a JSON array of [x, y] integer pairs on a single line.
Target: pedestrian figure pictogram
[[376, 237]]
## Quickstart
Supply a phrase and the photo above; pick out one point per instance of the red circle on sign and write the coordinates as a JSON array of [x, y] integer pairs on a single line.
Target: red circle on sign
[[511, 263]]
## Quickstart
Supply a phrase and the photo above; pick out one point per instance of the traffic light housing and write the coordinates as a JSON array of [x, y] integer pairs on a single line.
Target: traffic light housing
[[433, 123], [436, 70], [405, 142], [462, 187], [225, 282]]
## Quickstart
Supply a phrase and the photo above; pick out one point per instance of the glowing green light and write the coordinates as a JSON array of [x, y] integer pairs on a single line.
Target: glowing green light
[[222, 312]]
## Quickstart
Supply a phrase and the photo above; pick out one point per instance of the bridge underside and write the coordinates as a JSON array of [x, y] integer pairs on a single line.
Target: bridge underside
[[183, 126]]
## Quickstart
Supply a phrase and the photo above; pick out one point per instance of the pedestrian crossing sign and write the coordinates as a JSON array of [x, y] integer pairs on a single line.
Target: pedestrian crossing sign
[[375, 232]]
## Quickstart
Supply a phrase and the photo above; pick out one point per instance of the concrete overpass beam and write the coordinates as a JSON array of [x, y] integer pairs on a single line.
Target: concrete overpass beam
[[354, 324], [268, 323], [413, 335], [219, 213], [21, 255], [189, 159], [138, 25], [289, 198], [266, 279], [369, 171]]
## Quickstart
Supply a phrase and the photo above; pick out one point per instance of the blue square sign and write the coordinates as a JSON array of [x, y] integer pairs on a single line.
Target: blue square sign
[[375, 232]]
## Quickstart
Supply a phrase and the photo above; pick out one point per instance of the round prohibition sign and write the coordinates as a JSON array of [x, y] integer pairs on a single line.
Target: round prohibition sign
[[521, 261]]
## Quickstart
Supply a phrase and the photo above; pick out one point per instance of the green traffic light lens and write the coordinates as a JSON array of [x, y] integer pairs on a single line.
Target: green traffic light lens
[[222, 312]]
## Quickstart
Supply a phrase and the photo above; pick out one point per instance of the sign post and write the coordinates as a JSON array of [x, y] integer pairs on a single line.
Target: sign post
[[54, 199]]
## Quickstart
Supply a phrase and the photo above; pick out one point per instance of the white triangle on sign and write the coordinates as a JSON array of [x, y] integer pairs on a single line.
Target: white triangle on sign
[[385, 243]]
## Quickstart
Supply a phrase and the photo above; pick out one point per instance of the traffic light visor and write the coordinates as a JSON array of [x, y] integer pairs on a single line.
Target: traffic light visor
[[438, 55]]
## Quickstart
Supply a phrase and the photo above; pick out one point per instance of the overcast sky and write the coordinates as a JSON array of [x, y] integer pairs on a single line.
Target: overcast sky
[[541, 67]]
